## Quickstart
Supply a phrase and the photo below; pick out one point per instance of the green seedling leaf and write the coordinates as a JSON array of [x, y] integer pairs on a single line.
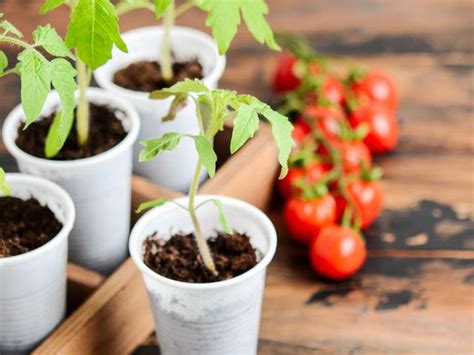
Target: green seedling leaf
[[245, 125], [35, 76], [93, 31], [9, 28], [222, 218], [3, 62], [204, 110], [50, 5], [150, 204], [182, 87], [4, 188], [224, 19], [153, 147], [63, 81], [47, 37], [281, 129], [206, 154], [179, 102], [160, 7]]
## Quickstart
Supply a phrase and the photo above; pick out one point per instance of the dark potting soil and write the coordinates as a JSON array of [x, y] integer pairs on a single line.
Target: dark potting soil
[[146, 75], [25, 226], [178, 258], [105, 132]]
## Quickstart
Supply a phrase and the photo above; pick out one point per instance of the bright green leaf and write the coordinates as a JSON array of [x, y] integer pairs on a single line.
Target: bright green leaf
[[222, 218], [150, 204], [254, 15], [161, 6], [63, 81], [281, 129], [179, 102], [50, 5], [35, 76], [245, 125], [9, 28], [188, 86], [153, 147], [3, 62], [93, 31], [4, 188], [47, 37], [206, 154]]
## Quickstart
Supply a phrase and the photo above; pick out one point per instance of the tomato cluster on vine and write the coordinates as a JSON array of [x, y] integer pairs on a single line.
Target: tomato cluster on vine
[[332, 191]]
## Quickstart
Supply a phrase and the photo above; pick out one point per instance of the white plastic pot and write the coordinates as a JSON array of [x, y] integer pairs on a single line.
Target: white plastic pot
[[100, 186], [170, 169], [212, 318], [33, 285]]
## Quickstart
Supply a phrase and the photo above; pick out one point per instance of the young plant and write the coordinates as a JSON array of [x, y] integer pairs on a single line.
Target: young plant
[[4, 188], [213, 107], [92, 32], [38, 73], [223, 17]]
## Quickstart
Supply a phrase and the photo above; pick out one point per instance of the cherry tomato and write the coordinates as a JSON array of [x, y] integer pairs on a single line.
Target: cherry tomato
[[326, 119], [285, 79], [301, 131], [305, 218], [337, 252], [383, 126], [378, 87], [368, 200], [312, 174], [354, 155], [333, 90]]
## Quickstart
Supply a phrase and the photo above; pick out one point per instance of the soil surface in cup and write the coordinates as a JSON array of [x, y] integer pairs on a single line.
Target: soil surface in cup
[[105, 132], [25, 225], [146, 75], [178, 258]]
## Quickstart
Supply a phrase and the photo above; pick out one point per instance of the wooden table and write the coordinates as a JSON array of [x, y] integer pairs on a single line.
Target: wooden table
[[415, 293]]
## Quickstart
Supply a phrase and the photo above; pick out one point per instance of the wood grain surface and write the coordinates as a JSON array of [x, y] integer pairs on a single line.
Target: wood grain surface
[[415, 293]]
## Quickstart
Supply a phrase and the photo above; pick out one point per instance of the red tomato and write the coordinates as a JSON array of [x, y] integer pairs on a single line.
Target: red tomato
[[285, 79], [379, 88], [337, 252], [326, 119], [353, 155], [368, 200], [333, 90], [312, 174], [383, 126], [305, 218], [301, 131]]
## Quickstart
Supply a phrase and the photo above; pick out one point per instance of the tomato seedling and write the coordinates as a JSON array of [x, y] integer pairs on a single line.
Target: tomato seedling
[[223, 17], [213, 108], [92, 32]]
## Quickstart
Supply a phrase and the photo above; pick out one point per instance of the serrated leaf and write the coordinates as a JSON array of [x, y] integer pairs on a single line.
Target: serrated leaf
[[160, 7], [49, 5], [204, 110], [281, 130], [63, 81], [179, 102], [222, 218], [4, 188], [150, 204], [3, 62], [245, 125], [35, 77], [47, 37], [9, 28], [206, 154], [153, 147], [224, 19], [254, 16], [93, 31]]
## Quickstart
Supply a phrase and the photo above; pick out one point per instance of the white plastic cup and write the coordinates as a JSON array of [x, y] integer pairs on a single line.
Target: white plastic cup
[[170, 169], [100, 186], [33, 284], [217, 318]]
